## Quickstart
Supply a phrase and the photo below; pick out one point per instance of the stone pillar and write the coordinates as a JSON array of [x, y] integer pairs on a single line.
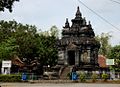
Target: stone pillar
[[61, 57], [79, 52], [65, 57], [96, 56], [76, 57]]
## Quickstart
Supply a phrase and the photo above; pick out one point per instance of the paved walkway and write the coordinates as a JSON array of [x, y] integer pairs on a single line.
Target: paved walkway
[[57, 85]]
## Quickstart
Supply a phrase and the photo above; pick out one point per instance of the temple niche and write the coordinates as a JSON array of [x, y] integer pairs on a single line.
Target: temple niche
[[78, 45]]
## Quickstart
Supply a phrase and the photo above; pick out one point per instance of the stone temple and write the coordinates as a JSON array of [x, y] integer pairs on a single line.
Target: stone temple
[[78, 46]]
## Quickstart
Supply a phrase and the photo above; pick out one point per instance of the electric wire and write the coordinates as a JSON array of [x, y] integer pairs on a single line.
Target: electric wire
[[99, 15], [115, 1]]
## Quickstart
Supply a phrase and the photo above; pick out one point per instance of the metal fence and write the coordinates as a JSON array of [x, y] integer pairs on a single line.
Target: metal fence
[[86, 76]]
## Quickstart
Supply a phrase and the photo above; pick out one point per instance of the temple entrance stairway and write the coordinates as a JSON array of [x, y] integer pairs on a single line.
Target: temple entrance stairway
[[65, 71]]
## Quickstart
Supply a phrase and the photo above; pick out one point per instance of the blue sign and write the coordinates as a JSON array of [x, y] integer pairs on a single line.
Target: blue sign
[[74, 76]]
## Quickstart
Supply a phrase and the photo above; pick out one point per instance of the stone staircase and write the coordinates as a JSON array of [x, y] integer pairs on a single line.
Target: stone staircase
[[65, 72]]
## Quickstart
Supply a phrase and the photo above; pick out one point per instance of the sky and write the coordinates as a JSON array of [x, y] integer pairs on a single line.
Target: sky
[[46, 13]]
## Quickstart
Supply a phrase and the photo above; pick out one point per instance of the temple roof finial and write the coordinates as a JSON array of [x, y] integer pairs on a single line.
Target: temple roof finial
[[78, 13], [89, 23], [67, 23]]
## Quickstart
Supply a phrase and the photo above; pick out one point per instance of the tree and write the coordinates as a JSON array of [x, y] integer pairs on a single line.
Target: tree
[[44, 33], [46, 46], [54, 31], [24, 41], [104, 42], [6, 4], [46, 50], [7, 49], [115, 54], [7, 29], [24, 36]]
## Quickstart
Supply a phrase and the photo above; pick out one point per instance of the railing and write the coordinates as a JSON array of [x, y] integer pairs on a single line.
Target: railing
[[87, 76]]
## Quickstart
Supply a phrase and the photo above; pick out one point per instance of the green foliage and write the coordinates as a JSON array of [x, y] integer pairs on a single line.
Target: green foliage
[[46, 42], [94, 77], [104, 77], [104, 42], [16, 35], [6, 4], [26, 43], [7, 49], [82, 77], [47, 51], [54, 31], [69, 75], [10, 78], [115, 54]]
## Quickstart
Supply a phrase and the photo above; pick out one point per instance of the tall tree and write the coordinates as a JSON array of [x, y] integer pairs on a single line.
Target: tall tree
[[115, 54], [25, 42], [104, 42], [24, 37], [6, 4], [54, 31], [46, 50], [7, 49]]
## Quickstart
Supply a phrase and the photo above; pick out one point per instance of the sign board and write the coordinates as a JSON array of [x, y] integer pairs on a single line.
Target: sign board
[[74, 76], [110, 62], [24, 76], [6, 63]]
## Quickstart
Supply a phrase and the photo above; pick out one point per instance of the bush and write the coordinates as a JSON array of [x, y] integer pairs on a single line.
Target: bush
[[69, 75], [94, 77], [10, 78], [104, 77], [82, 77]]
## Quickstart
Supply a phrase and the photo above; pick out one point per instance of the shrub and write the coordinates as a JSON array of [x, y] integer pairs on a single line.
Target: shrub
[[104, 77], [82, 77], [69, 75], [94, 77], [10, 78]]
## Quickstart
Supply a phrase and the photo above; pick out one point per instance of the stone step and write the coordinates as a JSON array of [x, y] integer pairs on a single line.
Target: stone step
[[65, 72]]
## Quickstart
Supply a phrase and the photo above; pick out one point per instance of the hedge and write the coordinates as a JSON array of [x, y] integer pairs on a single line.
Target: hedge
[[10, 78]]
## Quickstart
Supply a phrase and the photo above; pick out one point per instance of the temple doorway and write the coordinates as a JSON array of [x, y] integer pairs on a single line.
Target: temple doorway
[[71, 57]]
